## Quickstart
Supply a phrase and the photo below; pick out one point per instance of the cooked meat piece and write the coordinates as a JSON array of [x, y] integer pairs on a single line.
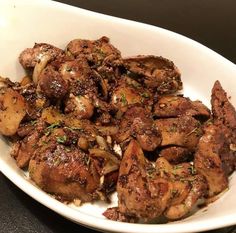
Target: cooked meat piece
[[174, 172], [146, 134], [31, 56], [138, 122], [53, 115], [158, 73], [109, 183], [75, 70], [175, 154], [124, 96], [126, 93], [26, 128], [104, 112], [60, 168], [174, 106], [197, 191], [207, 159], [35, 101], [95, 51], [80, 106], [26, 147], [12, 110], [222, 109], [183, 131], [187, 187], [140, 192], [224, 115], [82, 80], [115, 215], [52, 83]]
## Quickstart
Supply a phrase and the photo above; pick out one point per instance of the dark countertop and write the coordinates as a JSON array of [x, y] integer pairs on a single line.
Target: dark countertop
[[210, 22]]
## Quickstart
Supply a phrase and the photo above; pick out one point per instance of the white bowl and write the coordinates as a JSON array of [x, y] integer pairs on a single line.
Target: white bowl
[[22, 23]]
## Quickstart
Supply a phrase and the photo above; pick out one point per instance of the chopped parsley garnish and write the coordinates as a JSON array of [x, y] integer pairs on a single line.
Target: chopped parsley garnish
[[54, 125], [51, 127], [173, 128], [177, 167], [174, 192], [192, 170], [33, 122], [123, 99], [61, 139], [145, 95], [73, 128]]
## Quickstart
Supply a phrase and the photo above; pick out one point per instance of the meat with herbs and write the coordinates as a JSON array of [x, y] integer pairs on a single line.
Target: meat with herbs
[[86, 122], [137, 122], [176, 154], [156, 73], [141, 193], [175, 106], [182, 131]]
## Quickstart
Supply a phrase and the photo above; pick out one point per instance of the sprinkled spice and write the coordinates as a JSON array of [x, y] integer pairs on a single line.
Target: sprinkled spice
[[61, 139]]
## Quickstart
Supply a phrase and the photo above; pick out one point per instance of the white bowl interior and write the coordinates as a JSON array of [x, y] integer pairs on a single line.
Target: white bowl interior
[[22, 23]]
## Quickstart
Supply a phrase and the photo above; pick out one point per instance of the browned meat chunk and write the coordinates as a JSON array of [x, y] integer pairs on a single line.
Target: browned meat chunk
[[158, 73], [95, 51], [75, 70], [207, 159], [175, 154], [80, 77], [174, 106], [31, 56], [197, 191], [52, 83], [187, 187], [124, 96], [24, 150], [222, 109], [129, 92], [224, 115], [137, 122], [183, 131], [60, 168], [139, 194], [12, 110], [80, 106]]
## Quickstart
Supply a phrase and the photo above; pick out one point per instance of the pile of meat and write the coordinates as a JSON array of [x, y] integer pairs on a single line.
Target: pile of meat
[[86, 122]]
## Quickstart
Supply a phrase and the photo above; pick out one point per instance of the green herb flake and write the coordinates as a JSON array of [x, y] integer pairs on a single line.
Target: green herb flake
[[145, 95], [177, 167], [197, 131], [68, 149], [56, 162], [87, 160], [61, 139], [73, 128], [123, 99], [150, 171], [173, 129], [174, 192], [54, 125], [34, 146], [33, 122], [192, 170], [49, 129]]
